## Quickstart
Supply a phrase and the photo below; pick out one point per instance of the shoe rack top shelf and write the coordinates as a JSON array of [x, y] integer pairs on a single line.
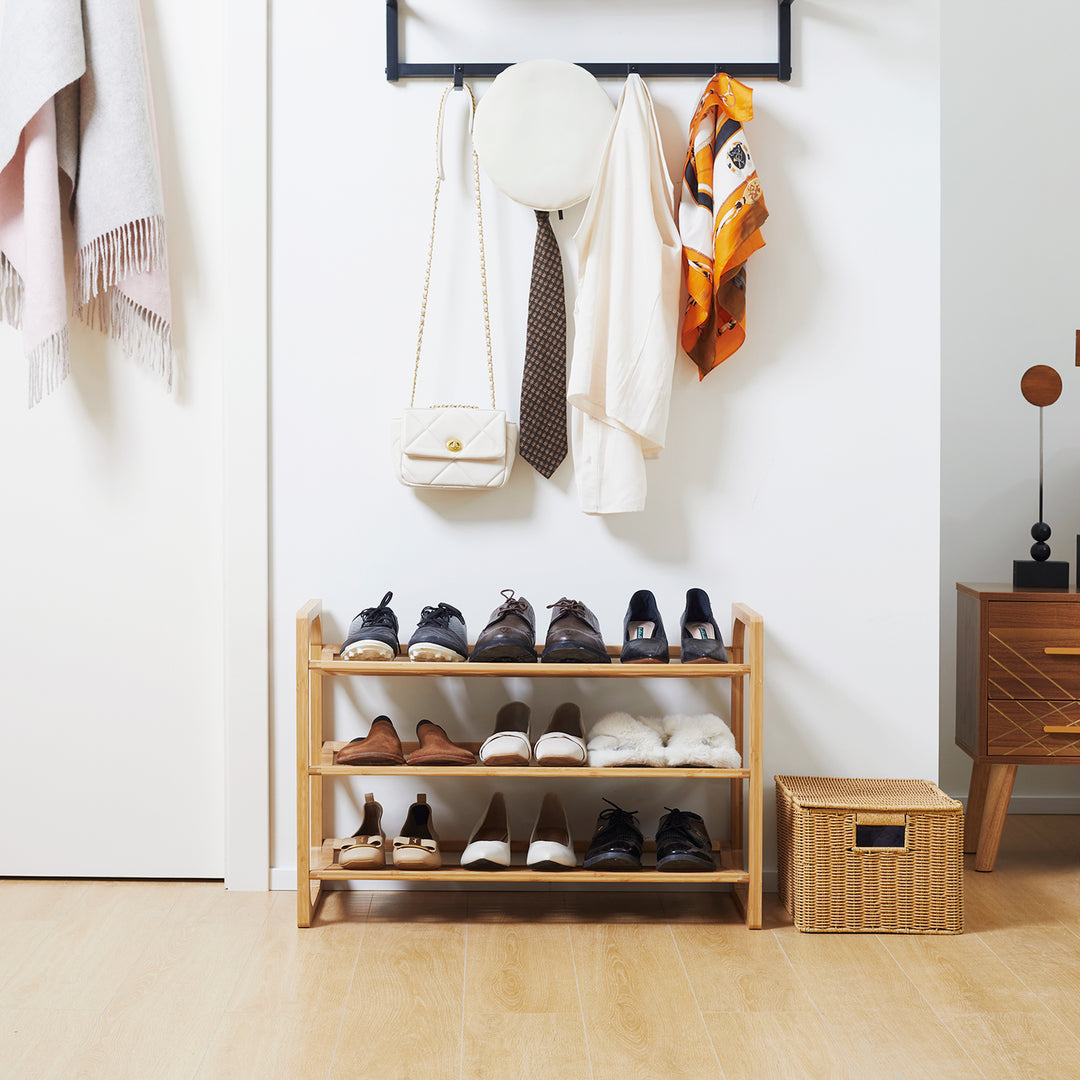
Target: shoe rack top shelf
[[328, 767], [327, 659]]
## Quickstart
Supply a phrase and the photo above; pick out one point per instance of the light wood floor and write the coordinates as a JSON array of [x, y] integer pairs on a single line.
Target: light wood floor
[[162, 980]]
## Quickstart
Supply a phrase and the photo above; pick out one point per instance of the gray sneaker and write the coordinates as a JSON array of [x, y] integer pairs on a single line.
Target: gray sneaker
[[440, 636]]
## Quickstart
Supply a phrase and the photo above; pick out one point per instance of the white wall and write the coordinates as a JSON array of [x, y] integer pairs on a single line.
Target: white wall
[[111, 717], [801, 477], [1010, 299]]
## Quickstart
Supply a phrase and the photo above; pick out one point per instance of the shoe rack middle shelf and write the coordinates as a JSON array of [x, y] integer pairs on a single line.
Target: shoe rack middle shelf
[[740, 859]]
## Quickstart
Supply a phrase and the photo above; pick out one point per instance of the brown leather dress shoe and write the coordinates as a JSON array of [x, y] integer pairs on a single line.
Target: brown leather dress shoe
[[381, 746], [573, 635], [436, 748], [510, 635]]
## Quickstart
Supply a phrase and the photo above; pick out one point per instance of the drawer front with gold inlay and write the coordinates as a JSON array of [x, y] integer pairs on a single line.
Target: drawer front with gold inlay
[[1018, 663], [1019, 728]]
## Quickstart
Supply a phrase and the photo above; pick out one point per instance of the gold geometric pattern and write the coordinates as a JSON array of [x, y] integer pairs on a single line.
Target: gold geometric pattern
[[1015, 728], [1012, 674]]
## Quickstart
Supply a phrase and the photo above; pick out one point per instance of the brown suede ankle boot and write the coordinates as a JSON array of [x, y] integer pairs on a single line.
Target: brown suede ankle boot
[[436, 748], [381, 746]]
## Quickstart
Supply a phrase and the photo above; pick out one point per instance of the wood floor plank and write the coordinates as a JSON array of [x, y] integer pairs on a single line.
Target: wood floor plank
[[845, 970], [19, 942], [901, 1044], [522, 1046], [641, 1018], [29, 898], [1017, 1046], [290, 968], [1046, 959], [532, 908], [775, 1046], [38, 1043], [403, 1017], [734, 970], [958, 975], [419, 907], [88, 954], [520, 969], [162, 1018]]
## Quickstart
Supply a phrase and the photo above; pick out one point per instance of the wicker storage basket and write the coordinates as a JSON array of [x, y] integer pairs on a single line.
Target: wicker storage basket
[[870, 856]]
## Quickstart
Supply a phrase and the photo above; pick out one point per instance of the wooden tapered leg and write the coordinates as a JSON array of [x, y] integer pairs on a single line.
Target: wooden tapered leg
[[998, 791], [980, 775]]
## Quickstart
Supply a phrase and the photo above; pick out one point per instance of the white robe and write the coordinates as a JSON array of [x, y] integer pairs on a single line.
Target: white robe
[[626, 318]]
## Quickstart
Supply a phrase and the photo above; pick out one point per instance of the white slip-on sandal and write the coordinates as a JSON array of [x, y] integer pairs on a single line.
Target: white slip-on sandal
[[509, 743], [365, 849], [551, 847], [564, 741], [489, 843]]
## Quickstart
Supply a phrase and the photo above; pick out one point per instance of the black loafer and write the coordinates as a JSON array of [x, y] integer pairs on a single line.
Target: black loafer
[[683, 844], [510, 635], [701, 640], [573, 635], [644, 640], [617, 842]]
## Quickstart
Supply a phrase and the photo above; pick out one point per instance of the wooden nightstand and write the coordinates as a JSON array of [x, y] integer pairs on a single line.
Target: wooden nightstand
[[1017, 695]]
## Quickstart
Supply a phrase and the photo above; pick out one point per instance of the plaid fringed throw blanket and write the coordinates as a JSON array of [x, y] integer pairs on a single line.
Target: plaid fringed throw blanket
[[77, 126], [720, 217]]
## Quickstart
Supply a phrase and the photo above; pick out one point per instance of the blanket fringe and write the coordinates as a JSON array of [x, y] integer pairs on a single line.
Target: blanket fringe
[[50, 364], [143, 334], [11, 294], [135, 248]]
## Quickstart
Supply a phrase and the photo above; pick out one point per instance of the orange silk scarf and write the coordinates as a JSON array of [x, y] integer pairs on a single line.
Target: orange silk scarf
[[721, 212]]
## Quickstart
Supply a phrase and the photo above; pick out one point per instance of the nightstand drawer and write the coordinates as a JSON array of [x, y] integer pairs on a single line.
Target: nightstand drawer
[[1018, 728], [1018, 665]]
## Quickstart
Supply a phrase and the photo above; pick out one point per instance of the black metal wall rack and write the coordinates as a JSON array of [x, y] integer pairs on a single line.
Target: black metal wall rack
[[397, 69]]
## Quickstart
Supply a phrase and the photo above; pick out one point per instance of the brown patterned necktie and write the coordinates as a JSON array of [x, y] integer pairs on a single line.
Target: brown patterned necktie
[[543, 384]]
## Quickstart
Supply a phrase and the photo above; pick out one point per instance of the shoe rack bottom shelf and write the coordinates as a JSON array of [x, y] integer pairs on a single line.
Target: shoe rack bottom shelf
[[324, 867]]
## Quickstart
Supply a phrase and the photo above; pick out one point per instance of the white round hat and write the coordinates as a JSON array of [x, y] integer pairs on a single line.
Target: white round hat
[[540, 132]]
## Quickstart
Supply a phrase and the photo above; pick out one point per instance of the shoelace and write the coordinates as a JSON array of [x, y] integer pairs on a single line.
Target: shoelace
[[617, 816], [439, 615], [516, 605], [563, 607], [380, 615], [683, 819]]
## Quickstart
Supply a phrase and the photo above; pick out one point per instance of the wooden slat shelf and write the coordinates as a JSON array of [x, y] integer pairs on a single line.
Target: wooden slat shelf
[[327, 767], [740, 867], [403, 666]]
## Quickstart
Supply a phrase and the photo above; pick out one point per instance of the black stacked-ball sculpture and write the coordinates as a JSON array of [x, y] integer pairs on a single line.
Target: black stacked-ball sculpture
[[1041, 386]]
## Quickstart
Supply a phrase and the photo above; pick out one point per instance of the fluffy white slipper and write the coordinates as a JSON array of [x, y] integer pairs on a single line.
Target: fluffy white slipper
[[622, 739], [705, 741]]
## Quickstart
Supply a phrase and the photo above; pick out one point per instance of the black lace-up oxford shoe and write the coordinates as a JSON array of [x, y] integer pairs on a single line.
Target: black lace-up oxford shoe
[[683, 844], [617, 842], [510, 635]]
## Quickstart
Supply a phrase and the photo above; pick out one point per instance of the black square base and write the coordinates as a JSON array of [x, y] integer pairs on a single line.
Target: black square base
[[1029, 574]]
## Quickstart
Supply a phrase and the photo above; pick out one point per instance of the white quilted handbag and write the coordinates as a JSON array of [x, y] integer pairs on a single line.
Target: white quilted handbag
[[454, 447]]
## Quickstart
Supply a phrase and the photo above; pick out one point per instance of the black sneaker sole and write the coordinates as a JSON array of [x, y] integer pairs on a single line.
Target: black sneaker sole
[[612, 860]]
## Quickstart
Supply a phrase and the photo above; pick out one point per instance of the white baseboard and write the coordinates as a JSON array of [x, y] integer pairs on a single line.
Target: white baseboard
[[283, 879]]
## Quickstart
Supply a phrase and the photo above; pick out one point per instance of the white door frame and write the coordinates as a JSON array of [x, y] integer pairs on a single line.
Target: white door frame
[[245, 446]]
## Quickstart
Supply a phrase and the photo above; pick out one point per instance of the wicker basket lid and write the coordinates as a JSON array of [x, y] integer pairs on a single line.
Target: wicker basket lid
[[849, 794]]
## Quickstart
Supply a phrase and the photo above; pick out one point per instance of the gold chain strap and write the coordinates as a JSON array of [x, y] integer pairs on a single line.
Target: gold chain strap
[[431, 249]]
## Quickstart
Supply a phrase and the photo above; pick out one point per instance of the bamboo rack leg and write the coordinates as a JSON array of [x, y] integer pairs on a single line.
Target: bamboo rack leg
[[738, 702], [305, 619], [980, 776], [755, 657]]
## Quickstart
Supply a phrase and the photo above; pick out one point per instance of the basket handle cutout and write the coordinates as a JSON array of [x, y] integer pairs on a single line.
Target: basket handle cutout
[[876, 831]]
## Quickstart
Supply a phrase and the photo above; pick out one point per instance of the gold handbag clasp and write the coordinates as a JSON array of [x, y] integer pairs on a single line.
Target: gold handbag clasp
[[453, 445]]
